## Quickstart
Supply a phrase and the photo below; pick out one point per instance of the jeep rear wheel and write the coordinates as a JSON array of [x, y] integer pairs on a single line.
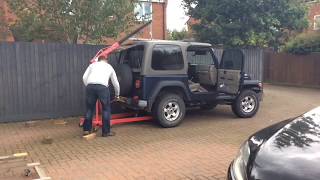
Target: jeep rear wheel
[[169, 110], [246, 105]]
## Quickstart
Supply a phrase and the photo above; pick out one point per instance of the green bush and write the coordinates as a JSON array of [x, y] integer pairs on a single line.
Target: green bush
[[304, 43], [178, 35]]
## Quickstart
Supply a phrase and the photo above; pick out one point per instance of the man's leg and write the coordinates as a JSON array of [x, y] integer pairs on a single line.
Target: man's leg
[[104, 97], [91, 99]]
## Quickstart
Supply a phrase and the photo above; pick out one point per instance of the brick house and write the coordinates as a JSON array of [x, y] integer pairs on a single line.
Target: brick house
[[154, 10], [191, 21], [314, 15]]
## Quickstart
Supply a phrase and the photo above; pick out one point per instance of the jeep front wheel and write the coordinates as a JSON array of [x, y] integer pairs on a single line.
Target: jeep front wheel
[[169, 110], [246, 105]]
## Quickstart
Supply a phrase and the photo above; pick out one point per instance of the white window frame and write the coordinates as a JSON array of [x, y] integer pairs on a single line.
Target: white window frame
[[156, 1], [316, 26], [144, 10]]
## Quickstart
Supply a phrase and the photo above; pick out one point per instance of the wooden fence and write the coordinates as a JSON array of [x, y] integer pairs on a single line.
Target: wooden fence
[[298, 70]]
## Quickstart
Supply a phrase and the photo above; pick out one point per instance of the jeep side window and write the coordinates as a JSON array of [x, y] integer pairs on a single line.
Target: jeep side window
[[167, 57], [202, 56], [232, 60]]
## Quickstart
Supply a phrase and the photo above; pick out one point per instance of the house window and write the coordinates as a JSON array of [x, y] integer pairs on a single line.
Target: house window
[[317, 22], [143, 11], [167, 57]]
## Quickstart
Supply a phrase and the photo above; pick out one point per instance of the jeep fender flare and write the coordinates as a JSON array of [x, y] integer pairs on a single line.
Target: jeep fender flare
[[253, 85], [166, 85]]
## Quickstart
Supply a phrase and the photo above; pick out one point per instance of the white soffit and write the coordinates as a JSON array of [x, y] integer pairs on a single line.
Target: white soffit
[[155, 1]]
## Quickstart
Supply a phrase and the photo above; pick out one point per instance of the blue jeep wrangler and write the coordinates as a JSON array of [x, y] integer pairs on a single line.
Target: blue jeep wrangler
[[166, 77]]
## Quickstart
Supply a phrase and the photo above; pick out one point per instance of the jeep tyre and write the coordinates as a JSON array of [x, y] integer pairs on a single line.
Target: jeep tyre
[[246, 105], [125, 77], [169, 110]]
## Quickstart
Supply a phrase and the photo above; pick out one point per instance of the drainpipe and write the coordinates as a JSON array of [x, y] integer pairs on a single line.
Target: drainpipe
[[151, 29]]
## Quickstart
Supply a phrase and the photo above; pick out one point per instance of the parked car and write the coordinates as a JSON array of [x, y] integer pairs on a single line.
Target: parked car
[[166, 77], [289, 150]]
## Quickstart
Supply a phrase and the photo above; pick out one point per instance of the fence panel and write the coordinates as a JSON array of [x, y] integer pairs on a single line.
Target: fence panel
[[42, 80], [299, 70], [253, 63]]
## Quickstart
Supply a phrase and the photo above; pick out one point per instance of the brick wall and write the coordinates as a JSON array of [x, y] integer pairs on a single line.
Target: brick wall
[[314, 10], [158, 23]]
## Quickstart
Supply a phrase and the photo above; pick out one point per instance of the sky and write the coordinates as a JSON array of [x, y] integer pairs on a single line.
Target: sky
[[176, 18]]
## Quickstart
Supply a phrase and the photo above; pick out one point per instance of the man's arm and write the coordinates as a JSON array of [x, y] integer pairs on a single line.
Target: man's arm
[[85, 75], [115, 83]]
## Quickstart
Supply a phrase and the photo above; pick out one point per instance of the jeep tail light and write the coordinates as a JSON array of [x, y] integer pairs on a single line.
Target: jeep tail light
[[138, 84]]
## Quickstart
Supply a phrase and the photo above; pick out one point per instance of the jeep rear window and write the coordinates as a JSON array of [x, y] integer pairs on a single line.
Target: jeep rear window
[[167, 57]]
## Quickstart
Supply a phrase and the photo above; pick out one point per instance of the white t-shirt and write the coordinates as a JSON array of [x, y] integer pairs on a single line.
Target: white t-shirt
[[100, 73]]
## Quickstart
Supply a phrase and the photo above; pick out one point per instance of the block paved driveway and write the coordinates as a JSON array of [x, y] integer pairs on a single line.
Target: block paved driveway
[[201, 148]]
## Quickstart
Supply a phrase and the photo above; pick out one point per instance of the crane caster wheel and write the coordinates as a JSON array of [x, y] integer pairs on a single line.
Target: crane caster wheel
[[95, 129], [27, 172]]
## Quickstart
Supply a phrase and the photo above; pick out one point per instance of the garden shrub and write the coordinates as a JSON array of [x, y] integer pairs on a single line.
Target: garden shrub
[[304, 43]]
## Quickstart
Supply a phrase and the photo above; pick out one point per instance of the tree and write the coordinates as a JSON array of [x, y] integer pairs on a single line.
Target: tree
[[70, 20], [178, 35], [262, 23]]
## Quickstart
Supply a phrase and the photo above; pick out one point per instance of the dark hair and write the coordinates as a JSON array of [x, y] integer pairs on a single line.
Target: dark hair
[[102, 58]]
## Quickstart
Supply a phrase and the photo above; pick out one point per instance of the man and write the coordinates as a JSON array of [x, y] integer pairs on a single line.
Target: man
[[96, 79]]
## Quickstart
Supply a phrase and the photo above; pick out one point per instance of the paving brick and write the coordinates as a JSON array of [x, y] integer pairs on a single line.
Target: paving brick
[[201, 148]]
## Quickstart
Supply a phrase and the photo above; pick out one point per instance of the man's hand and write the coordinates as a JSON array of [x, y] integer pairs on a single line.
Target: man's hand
[[117, 98]]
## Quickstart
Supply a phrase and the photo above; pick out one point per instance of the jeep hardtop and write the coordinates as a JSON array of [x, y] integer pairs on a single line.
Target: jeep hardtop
[[167, 77]]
